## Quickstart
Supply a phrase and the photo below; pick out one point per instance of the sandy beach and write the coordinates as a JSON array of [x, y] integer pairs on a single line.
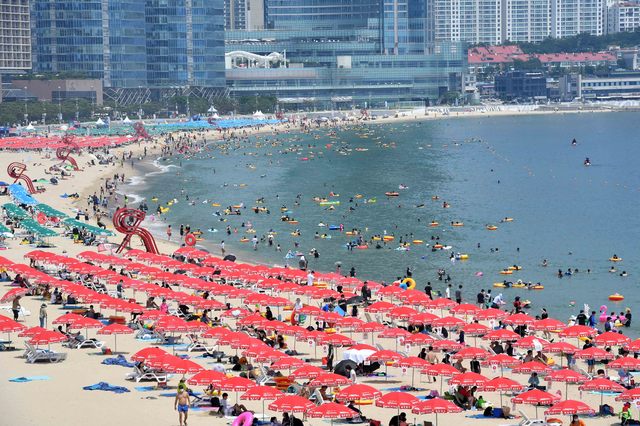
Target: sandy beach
[[58, 398]]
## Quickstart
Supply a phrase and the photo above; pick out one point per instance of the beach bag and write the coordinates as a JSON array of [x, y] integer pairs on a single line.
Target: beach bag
[[488, 412], [215, 401]]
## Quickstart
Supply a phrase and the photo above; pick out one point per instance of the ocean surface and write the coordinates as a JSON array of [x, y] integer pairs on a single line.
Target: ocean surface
[[486, 169]]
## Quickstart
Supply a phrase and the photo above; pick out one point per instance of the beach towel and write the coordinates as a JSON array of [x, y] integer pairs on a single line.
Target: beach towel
[[145, 388], [104, 386], [119, 360], [28, 379]]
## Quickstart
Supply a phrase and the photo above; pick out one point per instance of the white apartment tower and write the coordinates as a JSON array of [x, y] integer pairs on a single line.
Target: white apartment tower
[[15, 35], [496, 21], [474, 21], [623, 16]]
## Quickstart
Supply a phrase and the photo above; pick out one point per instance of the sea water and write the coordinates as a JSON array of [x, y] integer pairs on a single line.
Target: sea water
[[486, 169]]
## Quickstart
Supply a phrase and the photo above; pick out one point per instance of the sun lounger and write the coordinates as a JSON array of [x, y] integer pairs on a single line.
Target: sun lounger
[[35, 355], [195, 344], [148, 375], [526, 421]]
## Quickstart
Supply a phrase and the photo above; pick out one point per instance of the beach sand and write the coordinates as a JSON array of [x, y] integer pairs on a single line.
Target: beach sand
[[61, 399]]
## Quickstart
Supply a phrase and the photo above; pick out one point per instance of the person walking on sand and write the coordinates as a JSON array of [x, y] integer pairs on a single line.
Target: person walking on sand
[[181, 404], [15, 307], [43, 315], [169, 233]]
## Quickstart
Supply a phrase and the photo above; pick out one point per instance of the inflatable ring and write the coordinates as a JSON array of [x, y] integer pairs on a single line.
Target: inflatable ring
[[244, 419], [190, 240], [411, 283], [363, 401], [615, 259], [616, 297], [554, 421]]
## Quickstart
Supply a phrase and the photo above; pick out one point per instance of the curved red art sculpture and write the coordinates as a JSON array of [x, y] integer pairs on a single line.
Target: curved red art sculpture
[[141, 132], [64, 152], [16, 171], [127, 221]]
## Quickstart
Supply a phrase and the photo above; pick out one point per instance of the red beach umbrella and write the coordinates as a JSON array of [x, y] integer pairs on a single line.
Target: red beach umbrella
[[307, 372], [519, 319], [443, 303], [115, 329], [468, 379], [47, 337], [437, 406], [357, 392], [530, 342], [475, 329], [625, 363], [331, 410], [629, 395], [402, 313], [287, 363], [423, 318], [531, 367], [448, 322], [262, 393], [503, 360], [291, 404], [207, 377], [535, 397], [548, 324], [501, 335], [593, 353], [569, 407], [13, 293], [491, 314], [471, 353], [611, 338], [148, 353], [329, 379], [379, 307], [578, 331], [397, 400], [446, 344], [464, 309], [601, 385], [236, 384], [565, 376]]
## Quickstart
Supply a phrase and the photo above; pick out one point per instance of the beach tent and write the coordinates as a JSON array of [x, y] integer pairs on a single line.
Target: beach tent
[[126, 120], [212, 109], [99, 122], [258, 114]]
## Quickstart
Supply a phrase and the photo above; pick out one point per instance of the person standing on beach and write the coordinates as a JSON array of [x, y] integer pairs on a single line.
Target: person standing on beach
[[181, 403], [43, 315], [222, 247], [169, 233], [15, 307]]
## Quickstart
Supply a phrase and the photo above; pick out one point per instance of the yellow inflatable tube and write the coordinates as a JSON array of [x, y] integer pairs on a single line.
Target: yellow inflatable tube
[[410, 282]]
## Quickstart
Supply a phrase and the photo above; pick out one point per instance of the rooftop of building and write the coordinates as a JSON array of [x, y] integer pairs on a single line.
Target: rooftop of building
[[509, 54]]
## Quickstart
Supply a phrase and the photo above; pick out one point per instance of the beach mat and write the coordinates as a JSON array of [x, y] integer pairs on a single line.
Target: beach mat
[[145, 388], [29, 379], [104, 386]]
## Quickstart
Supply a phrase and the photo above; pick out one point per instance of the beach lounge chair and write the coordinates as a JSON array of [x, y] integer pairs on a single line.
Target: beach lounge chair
[[526, 421], [35, 355], [147, 375], [195, 344]]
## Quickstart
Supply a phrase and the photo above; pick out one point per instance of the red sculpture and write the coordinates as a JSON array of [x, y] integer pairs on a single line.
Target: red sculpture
[[64, 152], [16, 170], [212, 121], [127, 221], [279, 115], [141, 132]]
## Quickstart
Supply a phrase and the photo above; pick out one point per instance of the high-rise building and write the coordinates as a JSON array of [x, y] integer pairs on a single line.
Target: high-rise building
[[473, 21], [15, 35], [526, 20], [623, 17], [244, 14], [343, 53], [496, 21], [572, 17], [131, 43], [185, 43]]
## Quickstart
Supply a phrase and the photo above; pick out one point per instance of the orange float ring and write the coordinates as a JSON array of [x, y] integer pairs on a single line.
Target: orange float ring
[[190, 240]]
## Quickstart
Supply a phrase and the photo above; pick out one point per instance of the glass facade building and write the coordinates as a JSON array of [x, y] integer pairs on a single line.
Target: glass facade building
[[131, 43]]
